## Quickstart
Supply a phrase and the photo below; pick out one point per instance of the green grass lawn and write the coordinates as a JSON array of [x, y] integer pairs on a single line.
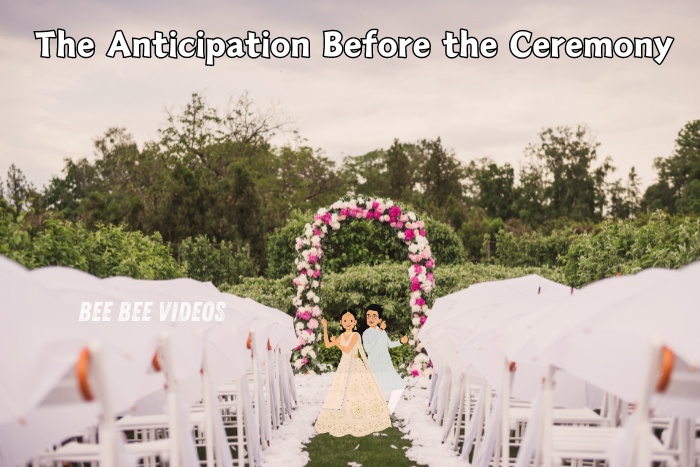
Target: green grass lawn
[[388, 449]]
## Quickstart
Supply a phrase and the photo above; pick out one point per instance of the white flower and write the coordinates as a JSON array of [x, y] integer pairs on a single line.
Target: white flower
[[299, 326], [368, 204], [401, 235], [313, 250], [298, 363], [412, 301], [315, 240], [413, 248], [311, 295], [314, 284], [306, 241], [335, 225], [422, 277], [312, 354], [426, 310], [296, 302], [416, 294], [303, 279], [346, 204], [414, 331], [321, 211], [411, 216], [336, 205], [415, 309], [411, 342], [416, 321], [389, 203], [324, 229], [421, 358], [316, 299]]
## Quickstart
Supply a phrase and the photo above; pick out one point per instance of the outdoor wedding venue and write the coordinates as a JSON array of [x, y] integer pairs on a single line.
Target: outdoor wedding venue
[[179, 302], [367, 234]]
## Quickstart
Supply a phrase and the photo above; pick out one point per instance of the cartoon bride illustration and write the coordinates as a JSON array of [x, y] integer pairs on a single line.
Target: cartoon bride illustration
[[355, 404]]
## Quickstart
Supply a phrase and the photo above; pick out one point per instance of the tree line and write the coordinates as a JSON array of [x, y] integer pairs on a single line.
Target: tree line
[[213, 175]]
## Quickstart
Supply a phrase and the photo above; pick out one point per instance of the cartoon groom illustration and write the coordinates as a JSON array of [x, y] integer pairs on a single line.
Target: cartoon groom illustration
[[377, 344]]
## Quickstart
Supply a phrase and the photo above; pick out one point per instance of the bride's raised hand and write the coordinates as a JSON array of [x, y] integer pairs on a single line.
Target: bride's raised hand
[[324, 322]]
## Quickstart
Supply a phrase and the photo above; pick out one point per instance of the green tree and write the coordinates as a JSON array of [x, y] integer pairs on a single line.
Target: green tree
[[573, 187], [676, 171], [20, 193], [624, 199], [492, 187], [689, 202]]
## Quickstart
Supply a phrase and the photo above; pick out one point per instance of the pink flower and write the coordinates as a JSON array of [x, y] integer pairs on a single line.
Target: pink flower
[[327, 218], [417, 268], [309, 331], [305, 360], [430, 277], [305, 316], [415, 280], [394, 211], [422, 232], [313, 324], [426, 253], [317, 232], [344, 212], [316, 311], [399, 225], [415, 258], [317, 273], [414, 372], [420, 301], [429, 264], [415, 286], [375, 205], [313, 259], [410, 234], [422, 320], [298, 244], [404, 218]]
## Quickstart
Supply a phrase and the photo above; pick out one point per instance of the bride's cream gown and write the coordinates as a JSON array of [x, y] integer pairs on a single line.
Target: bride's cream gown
[[355, 404]]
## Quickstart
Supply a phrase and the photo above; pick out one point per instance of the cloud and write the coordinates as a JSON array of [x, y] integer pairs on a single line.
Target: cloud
[[55, 108]]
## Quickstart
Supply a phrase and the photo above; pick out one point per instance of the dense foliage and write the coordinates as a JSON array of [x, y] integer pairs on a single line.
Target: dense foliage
[[386, 284], [213, 172], [358, 242], [104, 251], [662, 241]]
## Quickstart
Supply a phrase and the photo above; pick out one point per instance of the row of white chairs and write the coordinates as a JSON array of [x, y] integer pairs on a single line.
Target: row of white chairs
[[532, 367], [127, 393]]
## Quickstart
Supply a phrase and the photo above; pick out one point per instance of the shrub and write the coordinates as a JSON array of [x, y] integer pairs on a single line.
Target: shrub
[[216, 262], [660, 241], [358, 242], [386, 284]]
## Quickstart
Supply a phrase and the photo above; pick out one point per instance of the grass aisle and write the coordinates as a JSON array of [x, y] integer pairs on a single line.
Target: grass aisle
[[416, 436], [387, 448]]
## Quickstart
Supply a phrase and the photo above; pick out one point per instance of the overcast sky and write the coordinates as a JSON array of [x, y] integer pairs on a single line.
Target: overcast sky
[[54, 108]]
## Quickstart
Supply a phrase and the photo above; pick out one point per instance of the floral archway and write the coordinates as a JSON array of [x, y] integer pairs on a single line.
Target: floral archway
[[409, 228]]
